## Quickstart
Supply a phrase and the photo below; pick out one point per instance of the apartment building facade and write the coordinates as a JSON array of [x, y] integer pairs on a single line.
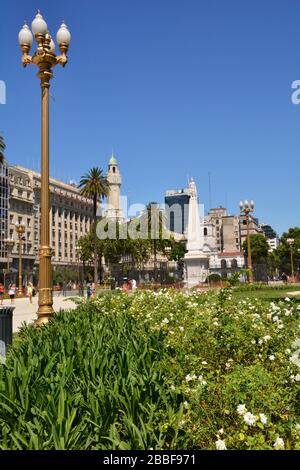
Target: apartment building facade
[[71, 216]]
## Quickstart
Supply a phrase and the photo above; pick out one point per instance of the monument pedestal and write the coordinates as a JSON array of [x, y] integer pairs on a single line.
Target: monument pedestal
[[197, 268]]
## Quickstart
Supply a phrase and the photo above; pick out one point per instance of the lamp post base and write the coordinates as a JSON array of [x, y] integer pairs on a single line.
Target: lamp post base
[[45, 310], [43, 315]]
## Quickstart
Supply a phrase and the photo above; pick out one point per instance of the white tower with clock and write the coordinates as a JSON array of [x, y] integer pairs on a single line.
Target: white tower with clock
[[114, 211]]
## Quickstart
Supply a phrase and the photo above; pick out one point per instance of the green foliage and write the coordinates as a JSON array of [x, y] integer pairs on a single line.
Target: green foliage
[[283, 253], [88, 380], [259, 248], [235, 278], [214, 278], [61, 274], [162, 370], [178, 250], [94, 185]]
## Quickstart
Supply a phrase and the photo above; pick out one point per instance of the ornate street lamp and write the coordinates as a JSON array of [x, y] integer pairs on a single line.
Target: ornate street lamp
[[80, 280], [20, 229], [290, 242], [45, 59], [246, 209]]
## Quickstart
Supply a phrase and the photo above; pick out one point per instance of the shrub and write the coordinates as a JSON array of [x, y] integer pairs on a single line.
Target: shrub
[[88, 380], [213, 278], [161, 370]]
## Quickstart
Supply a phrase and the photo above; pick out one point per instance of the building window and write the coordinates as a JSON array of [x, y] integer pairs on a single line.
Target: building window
[[223, 264], [205, 231], [234, 264]]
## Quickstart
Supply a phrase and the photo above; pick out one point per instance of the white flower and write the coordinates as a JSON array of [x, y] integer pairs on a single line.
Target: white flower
[[204, 363], [297, 427], [181, 328], [220, 445], [188, 378], [253, 341], [279, 443], [263, 418], [287, 299], [296, 343], [185, 404], [172, 388], [221, 431], [165, 320], [241, 409], [272, 358], [267, 338], [295, 359], [287, 351], [297, 378], [249, 418]]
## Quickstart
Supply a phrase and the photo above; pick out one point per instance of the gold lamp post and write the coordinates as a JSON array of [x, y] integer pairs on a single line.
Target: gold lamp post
[[80, 277], [20, 229], [9, 243], [246, 209], [45, 59], [290, 242]]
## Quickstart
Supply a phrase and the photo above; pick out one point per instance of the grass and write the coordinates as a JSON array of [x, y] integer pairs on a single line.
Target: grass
[[270, 294]]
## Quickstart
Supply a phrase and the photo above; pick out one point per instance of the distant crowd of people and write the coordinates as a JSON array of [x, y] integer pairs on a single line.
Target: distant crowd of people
[[129, 285], [12, 291]]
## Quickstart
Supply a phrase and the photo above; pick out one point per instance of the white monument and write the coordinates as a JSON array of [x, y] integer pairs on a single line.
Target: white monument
[[196, 260]]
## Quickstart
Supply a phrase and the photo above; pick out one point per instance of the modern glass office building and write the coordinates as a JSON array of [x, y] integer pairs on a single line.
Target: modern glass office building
[[177, 210]]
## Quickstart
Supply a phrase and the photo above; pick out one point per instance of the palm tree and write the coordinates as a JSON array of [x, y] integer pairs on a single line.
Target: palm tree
[[2, 148], [156, 230], [94, 185]]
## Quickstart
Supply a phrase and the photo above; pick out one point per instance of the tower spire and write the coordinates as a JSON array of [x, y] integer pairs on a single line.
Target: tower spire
[[113, 160]]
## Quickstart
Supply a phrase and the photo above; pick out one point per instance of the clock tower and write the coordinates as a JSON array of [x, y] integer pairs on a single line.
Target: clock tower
[[114, 179]]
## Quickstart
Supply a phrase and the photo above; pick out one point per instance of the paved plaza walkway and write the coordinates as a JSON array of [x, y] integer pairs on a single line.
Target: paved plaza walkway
[[26, 312]]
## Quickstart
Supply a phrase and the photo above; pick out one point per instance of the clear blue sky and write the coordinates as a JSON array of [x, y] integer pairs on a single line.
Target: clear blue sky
[[176, 88]]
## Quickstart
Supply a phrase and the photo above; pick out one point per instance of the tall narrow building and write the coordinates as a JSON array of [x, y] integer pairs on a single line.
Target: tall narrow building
[[114, 211]]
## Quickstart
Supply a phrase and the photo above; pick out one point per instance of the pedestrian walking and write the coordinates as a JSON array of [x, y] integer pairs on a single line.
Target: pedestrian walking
[[133, 285], [88, 290], [30, 291], [2, 290], [93, 289], [12, 293]]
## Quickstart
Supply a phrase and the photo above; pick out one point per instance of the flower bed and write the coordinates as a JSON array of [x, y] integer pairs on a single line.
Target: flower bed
[[162, 370]]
